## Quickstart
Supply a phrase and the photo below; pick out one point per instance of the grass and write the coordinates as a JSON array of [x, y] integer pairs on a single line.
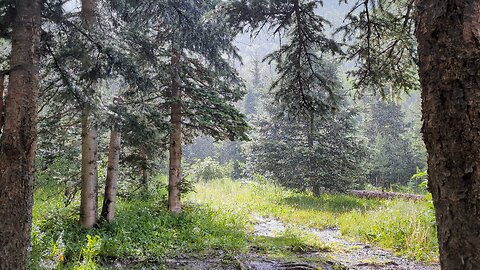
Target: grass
[[292, 240], [405, 227], [217, 219], [142, 232]]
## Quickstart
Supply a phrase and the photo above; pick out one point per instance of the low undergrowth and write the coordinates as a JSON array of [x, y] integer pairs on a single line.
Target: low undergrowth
[[218, 219], [292, 240], [143, 232], [406, 227]]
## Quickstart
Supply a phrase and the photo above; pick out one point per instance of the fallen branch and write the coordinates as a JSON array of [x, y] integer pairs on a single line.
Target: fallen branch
[[386, 195]]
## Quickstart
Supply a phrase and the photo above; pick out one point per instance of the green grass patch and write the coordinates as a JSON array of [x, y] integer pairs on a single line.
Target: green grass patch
[[218, 219], [142, 231], [405, 227], [292, 240]]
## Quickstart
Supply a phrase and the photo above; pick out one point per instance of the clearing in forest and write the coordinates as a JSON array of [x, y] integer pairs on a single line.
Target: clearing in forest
[[227, 224]]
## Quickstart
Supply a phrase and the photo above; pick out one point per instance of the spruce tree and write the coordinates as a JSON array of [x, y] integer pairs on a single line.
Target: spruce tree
[[201, 86], [19, 136]]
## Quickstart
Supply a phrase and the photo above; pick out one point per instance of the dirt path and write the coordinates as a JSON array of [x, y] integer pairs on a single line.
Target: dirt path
[[346, 255]]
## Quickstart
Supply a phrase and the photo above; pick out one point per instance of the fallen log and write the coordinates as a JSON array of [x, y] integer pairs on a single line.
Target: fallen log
[[386, 195]]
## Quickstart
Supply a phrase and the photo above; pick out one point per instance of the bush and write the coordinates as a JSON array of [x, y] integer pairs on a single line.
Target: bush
[[208, 169]]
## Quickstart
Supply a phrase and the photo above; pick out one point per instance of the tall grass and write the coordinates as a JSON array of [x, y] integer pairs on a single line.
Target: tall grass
[[404, 226], [143, 232], [219, 215]]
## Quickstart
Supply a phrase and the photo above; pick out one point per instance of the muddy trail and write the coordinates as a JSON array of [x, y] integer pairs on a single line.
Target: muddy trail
[[343, 255]]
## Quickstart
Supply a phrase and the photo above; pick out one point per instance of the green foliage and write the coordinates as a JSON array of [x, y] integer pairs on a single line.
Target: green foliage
[[202, 45], [404, 226], [209, 169], [393, 158], [380, 40], [89, 253], [321, 153], [304, 84], [144, 231], [407, 228], [291, 240]]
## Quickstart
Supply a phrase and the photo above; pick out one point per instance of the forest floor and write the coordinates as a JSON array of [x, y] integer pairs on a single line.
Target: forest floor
[[338, 253], [227, 224]]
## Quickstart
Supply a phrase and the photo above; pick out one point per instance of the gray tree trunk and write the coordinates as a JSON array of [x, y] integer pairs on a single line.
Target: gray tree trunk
[[89, 193], [19, 137], [175, 149]]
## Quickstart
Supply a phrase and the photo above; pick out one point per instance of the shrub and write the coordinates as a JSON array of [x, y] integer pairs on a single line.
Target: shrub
[[209, 169]]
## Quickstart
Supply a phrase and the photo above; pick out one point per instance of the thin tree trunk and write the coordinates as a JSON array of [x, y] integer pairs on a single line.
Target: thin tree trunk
[[18, 141], [144, 174], [311, 132], [448, 34], [175, 150], [89, 193], [2, 92], [108, 210]]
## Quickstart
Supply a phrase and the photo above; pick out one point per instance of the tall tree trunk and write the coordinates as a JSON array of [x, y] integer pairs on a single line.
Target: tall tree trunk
[[310, 140], [18, 141], [448, 34], [144, 173], [2, 93], [174, 177], [89, 193], [108, 210]]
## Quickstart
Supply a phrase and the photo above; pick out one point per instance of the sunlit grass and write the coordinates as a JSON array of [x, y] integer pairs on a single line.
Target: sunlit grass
[[220, 216], [143, 231], [404, 226]]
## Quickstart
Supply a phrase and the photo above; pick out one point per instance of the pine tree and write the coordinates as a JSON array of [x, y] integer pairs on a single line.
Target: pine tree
[[314, 154], [89, 170], [304, 83], [201, 87], [393, 160], [18, 140]]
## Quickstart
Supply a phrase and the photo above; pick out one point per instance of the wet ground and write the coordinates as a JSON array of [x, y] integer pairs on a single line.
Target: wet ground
[[346, 254], [343, 255]]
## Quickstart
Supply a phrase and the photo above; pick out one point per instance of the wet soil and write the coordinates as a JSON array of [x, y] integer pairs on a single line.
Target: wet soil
[[343, 255]]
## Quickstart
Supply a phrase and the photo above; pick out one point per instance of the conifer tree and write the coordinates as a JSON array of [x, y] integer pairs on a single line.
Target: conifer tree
[[303, 85], [19, 136], [446, 51], [201, 87]]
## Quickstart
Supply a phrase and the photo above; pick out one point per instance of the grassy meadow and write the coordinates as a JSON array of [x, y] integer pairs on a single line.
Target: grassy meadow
[[218, 220]]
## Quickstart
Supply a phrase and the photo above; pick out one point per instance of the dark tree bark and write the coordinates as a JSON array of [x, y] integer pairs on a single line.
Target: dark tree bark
[[144, 173], [108, 210], [18, 141], [2, 92], [175, 149], [448, 34], [89, 193]]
